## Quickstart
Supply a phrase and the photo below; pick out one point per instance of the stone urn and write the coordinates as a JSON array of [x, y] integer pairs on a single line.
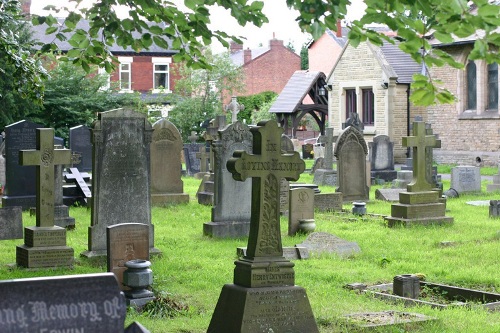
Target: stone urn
[[307, 225], [359, 208], [138, 276]]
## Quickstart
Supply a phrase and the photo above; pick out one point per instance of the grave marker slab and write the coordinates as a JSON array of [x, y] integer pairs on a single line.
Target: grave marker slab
[[301, 207], [323, 242], [20, 181], [167, 187], [466, 179], [72, 303], [121, 175], [190, 157], [44, 244], [326, 175], [263, 273], [11, 223], [382, 158], [81, 147], [126, 241], [231, 208], [328, 202]]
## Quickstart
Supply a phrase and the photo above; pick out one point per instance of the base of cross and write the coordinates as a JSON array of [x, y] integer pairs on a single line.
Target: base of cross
[[271, 309], [264, 272]]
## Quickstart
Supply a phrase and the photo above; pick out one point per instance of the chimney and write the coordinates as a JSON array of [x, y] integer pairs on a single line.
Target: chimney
[[235, 47], [339, 29], [247, 55], [26, 7], [273, 43]]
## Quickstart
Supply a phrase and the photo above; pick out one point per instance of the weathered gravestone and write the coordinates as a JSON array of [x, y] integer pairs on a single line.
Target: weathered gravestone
[[121, 175], [301, 208], [126, 241], [496, 183], [286, 144], [44, 244], [20, 186], [326, 175], [322, 242], [264, 297], [11, 223], [72, 303], [327, 202], [193, 165], [420, 204], [466, 179], [167, 186], [404, 177], [231, 209], [234, 108], [351, 151], [81, 147], [382, 158], [61, 211]]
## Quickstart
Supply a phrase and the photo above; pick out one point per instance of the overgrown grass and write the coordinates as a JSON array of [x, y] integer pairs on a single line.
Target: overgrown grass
[[192, 269]]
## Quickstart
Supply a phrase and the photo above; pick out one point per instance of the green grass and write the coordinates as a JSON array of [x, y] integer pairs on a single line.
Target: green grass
[[485, 170], [193, 268]]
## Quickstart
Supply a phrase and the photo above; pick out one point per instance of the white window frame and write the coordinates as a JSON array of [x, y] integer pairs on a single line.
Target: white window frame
[[126, 61], [102, 71], [161, 61]]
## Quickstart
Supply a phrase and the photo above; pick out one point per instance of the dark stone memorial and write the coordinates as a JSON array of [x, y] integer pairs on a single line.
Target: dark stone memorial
[[193, 163], [307, 151], [264, 297], [20, 187], [11, 223], [120, 176], [72, 303], [81, 148], [45, 243], [231, 209], [420, 204]]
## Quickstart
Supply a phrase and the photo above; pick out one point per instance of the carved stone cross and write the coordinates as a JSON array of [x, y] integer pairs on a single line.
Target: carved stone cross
[[327, 140], [234, 107], [193, 137], [45, 158]]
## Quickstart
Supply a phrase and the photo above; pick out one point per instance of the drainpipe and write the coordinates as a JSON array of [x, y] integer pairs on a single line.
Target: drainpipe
[[408, 117]]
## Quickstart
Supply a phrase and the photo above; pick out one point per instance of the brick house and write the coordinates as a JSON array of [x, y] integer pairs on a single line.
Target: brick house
[[375, 83], [324, 52], [470, 128], [265, 68]]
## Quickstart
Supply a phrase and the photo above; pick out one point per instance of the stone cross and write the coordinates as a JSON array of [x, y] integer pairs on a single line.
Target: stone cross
[[266, 166], [193, 137], [45, 158], [327, 140], [203, 156], [79, 178], [419, 141], [234, 107]]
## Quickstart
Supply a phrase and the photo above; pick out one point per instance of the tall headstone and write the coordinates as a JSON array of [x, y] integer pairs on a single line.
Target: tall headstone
[[264, 297], [120, 175], [44, 244], [351, 151], [231, 209], [20, 181], [420, 204], [167, 187], [382, 158], [326, 175], [81, 147]]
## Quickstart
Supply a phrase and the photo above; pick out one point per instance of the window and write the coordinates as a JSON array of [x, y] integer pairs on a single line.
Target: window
[[368, 106], [125, 75], [350, 102], [471, 85], [161, 76], [492, 103]]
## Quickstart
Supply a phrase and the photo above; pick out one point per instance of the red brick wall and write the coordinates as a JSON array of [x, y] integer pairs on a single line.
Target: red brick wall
[[323, 54]]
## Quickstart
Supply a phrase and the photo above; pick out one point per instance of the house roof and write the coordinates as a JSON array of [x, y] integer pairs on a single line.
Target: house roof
[[238, 57], [402, 63], [39, 35], [296, 89]]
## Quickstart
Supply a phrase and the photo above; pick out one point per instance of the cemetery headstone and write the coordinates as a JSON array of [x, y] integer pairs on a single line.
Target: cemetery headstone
[[167, 187], [322, 242], [420, 204], [71, 303], [328, 202], [494, 210], [466, 179], [231, 208], [20, 181], [193, 165], [11, 223], [496, 183], [326, 175], [286, 144], [121, 175], [409, 160], [382, 158], [263, 278], [44, 244], [61, 211], [81, 147], [404, 177], [307, 151], [126, 241], [351, 151], [234, 108], [301, 208]]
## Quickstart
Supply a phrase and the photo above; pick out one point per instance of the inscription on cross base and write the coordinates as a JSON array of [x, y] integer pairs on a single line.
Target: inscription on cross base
[[45, 157], [420, 142]]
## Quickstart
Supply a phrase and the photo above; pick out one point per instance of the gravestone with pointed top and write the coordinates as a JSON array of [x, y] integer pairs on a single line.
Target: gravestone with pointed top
[[231, 209], [420, 204], [167, 187], [45, 243], [121, 177], [326, 175], [264, 297]]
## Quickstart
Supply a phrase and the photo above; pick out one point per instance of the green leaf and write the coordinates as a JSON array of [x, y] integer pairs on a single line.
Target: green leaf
[[51, 30], [442, 37]]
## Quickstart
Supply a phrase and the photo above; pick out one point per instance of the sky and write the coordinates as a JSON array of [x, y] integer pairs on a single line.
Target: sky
[[281, 24]]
